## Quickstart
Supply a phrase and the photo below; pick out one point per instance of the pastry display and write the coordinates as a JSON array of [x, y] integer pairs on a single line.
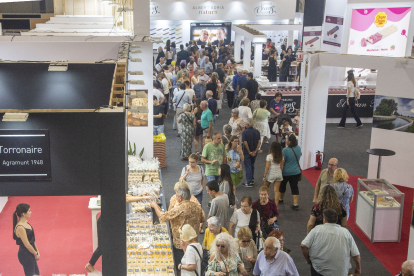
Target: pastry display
[[333, 30], [382, 201], [148, 246], [140, 102], [312, 40], [382, 34], [139, 82]]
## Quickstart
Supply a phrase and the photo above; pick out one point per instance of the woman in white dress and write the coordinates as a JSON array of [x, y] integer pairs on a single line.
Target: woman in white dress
[[261, 118]]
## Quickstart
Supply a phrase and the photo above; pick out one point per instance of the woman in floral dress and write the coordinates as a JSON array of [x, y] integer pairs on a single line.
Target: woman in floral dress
[[236, 123], [188, 123]]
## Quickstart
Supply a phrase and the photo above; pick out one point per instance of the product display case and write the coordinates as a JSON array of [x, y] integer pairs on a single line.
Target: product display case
[[379, 210]]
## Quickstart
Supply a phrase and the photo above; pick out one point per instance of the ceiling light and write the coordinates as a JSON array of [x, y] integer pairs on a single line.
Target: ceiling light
[[15, 117], [58, 67]]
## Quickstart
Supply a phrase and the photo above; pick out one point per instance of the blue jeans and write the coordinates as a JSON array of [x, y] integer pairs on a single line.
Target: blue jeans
[[199, 197], [158, 130], [213, 177], [249, 167]]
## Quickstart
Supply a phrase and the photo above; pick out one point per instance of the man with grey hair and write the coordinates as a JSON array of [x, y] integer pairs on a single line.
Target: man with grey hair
[[273, 261], [251, 144], [213, 229], [208, 65], [186, 212], [206, 120], [200, 88], [202, 60], [407, 268], [329, 247], [326, 176]]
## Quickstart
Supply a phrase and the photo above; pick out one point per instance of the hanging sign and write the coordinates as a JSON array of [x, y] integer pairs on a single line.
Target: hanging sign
[[25, 155]]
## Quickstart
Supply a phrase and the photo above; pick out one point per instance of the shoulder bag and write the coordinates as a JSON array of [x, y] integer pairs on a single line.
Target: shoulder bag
[[203, 261], [176, 105], [300, 176]]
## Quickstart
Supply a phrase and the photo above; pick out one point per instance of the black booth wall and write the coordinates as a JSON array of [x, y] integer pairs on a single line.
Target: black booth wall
[[88, 157]]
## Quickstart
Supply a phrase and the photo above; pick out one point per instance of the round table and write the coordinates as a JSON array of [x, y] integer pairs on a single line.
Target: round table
[[380, 153]]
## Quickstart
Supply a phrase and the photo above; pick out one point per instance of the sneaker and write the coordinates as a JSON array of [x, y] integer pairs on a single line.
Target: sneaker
[[280, 200], [340, 127], [295, 207], [249, 185], [361, 125]]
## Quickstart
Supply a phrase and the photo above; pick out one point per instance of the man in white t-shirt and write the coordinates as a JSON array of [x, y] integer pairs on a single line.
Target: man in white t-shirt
[[241, 217], [189, 90]]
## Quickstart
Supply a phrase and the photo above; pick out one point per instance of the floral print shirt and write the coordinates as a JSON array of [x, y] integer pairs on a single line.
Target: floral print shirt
[[237, 126], [234, 161], [230, 266]]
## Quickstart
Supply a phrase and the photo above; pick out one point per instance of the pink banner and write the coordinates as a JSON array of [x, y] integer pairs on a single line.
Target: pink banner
[[362, 19]]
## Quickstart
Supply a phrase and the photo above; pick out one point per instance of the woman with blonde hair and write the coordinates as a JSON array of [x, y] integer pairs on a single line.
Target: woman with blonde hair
[[244, 109], [328, 199], [224, 257], [247, 249], [344, 190]]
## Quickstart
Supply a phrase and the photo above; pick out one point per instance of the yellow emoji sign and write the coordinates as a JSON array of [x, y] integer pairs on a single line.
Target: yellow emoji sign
[[380, 19]]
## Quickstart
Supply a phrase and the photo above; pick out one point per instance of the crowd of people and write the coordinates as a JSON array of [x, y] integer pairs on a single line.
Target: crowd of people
[[248, 240]]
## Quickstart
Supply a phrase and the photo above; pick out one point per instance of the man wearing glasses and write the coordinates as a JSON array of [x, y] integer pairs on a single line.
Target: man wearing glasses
[[407, 268], [325, 177]]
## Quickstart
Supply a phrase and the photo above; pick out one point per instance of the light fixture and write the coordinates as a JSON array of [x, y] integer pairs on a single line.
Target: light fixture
[[58, 67], [15, 117]]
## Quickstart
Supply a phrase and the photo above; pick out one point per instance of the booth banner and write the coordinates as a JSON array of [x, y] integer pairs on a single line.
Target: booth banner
[[379, 32], [24, 155], [222, 10], [332, 33], [212, 32], [394, 113], [312, 38], [336, 104]]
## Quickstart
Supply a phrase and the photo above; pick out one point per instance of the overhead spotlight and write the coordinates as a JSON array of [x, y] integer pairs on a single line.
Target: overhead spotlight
[[60, 67], [15, 117]]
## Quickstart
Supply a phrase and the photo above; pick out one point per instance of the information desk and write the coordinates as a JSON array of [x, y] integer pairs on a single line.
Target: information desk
[[379, 210]]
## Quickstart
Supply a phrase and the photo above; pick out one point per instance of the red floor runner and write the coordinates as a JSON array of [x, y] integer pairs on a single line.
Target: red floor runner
[[391, 255], [63, 229]]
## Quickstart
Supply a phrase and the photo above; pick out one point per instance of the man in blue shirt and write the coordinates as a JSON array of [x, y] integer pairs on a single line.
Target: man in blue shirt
[[236, 80], [273, 261], [251, 145], [200, 89], [180, 98], [212, 104], [242, 81]]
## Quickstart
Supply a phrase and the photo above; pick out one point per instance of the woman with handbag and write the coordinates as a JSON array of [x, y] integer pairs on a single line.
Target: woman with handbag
[[268, 211], [350, 101], [277, 107], [188, 127], [292, 172]]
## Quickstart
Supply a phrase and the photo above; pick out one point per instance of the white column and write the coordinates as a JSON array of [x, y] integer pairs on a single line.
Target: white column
[[257, 59], [237, 47], [246, 53], [141, 19]]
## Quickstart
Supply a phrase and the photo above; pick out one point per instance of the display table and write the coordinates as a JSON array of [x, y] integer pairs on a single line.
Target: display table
[[379, 210], [95, 209]]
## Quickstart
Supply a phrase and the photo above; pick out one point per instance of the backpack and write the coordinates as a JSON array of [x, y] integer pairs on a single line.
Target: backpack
[[204, 261], [357, 92]]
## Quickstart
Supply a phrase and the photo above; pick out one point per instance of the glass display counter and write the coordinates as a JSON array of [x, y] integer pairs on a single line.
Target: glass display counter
[[379, 210]]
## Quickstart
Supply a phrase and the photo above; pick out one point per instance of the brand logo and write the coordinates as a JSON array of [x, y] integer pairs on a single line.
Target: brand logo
[[380, 19], [208, 9], [154, 9], [265, 9]]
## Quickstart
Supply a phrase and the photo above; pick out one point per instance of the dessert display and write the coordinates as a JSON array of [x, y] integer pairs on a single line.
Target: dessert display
[[382, 201], [381, 34], [148, 246], [138, 99], [333, 30], [312, 40]]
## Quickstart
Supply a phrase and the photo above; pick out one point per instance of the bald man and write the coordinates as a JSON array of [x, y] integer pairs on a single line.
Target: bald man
[[325, 177]]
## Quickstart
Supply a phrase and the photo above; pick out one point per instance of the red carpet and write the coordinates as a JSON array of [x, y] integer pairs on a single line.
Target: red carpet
[[63, 229], [391, 255]]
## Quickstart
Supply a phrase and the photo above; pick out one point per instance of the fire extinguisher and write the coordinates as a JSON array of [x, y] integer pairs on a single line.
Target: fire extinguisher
[[320, 156]]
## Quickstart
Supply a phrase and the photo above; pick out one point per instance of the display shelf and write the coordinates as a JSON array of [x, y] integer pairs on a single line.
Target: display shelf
[[379, 210]]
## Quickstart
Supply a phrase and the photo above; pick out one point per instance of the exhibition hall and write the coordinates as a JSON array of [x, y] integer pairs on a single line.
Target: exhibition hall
[[250, 99]]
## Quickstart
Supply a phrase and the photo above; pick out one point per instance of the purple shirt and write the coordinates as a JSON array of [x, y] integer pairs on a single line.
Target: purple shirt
[[266, 211], [278, 107]]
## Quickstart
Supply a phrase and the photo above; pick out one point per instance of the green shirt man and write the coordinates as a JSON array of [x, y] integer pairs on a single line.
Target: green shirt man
[[214, 155]]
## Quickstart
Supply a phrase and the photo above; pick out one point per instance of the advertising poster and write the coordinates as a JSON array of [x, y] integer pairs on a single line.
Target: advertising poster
[[379, 32], [332, 32], [394, 113], [312, 38], [210, 32]]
